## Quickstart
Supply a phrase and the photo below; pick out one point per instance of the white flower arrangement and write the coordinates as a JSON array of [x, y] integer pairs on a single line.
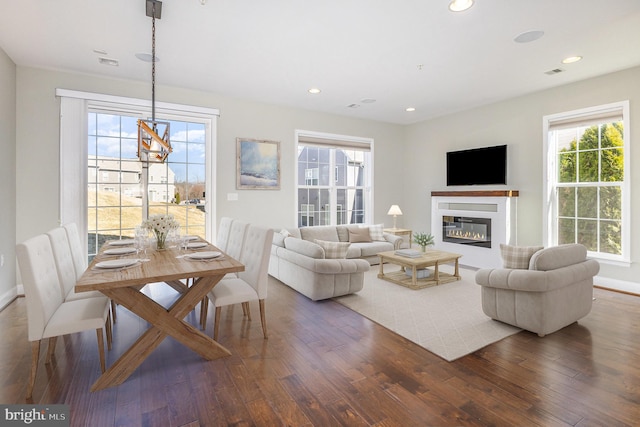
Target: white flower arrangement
[[423, 239], [161, 224]]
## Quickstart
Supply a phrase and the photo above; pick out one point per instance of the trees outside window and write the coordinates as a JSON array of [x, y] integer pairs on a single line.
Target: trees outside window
[[588, 194]]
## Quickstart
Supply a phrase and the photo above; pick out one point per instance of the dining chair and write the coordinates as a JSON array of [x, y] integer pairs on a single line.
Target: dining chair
[[233, 248], [224, 229], [222, 238], [251, 284], [80, 259], [67, 275], [48, 315]]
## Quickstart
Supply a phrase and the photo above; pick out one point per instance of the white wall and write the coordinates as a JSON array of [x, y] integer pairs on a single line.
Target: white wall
[[38, 148], [518, 123], [7, 178]]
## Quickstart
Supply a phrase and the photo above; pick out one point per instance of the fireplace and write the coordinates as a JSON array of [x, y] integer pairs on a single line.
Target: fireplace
[[466, 230]]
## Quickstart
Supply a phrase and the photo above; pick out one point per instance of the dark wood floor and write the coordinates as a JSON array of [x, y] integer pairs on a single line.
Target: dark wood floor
[[325, 365]]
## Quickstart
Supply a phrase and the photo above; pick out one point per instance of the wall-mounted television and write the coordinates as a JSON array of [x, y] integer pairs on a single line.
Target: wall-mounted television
[[477, 166]]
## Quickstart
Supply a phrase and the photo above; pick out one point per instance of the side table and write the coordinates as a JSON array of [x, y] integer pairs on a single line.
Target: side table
[[400, 232]]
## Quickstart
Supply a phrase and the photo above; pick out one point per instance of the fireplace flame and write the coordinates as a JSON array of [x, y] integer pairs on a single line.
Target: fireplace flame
[[469, 235]]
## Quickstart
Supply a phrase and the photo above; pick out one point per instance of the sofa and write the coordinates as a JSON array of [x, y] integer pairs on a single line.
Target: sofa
[[546, 292], [327, 261]]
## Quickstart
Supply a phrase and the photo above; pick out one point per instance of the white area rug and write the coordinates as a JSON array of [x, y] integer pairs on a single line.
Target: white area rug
[[446, 320]]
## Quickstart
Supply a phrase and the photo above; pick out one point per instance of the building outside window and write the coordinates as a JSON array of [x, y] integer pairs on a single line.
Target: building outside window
[[334, 181], [587, 174]]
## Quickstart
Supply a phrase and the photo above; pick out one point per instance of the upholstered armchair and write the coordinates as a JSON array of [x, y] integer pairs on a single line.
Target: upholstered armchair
[[553, 291]]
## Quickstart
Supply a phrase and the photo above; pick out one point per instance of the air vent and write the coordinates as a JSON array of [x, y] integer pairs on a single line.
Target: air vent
[[108, 61], [554, 71], [353, 105]]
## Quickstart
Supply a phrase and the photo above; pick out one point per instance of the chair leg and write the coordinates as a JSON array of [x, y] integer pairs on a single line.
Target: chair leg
[[109, 330], [216, 324], [246, 309], [113, 310], [51, 348], [263, 319], [35, 355], [101, 349], [204, 312]]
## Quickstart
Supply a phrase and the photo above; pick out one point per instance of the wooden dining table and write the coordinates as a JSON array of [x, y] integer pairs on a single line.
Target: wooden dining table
[[124, 286]]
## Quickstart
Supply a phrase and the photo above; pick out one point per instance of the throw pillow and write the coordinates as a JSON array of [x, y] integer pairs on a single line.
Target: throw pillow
[[357, 235], [377, 233], [285, 232], [334, 250], [517, 256]]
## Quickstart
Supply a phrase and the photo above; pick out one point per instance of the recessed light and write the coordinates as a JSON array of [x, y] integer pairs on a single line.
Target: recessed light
[[314, 90], [100, 51], [410, 109], [571, 59], [528, 36], [460, 5], [108, 61], [367, 100], [146, 57]]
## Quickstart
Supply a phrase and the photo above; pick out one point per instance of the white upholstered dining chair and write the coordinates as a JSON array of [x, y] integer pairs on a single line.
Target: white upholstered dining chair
[[48, 315], [222, 236], [251, 284], [79, 256]]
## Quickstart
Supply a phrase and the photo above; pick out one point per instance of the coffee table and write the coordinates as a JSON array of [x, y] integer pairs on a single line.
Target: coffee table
[[430, 258]]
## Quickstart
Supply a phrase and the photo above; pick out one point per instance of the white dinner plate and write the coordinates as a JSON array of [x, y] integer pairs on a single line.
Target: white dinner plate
[[204, 255], [191, 237], [122, 242], [196, 245], [120, 251], [116, 263]]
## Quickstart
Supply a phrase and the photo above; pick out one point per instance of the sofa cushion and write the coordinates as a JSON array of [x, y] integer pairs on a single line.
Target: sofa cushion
[[558, 256], [304, 247], [278, 239], [517, 256], [333, 250], [327, 233], [373, 248], [359, 235], [343, 233]]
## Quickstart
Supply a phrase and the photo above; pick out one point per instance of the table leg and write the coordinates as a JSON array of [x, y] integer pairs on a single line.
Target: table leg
[[456, 271], [414, 276], [164, 322], [436, 274]]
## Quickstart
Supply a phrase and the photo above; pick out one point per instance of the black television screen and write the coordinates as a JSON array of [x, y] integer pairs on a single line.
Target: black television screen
[[477, 166]]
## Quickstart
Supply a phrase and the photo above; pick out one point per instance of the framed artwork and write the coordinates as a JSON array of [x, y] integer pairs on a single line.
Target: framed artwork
[[258, 164]]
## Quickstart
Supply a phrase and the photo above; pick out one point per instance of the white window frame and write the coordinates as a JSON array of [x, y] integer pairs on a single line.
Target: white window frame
[[74, 109], [329, 140], [550, 177]]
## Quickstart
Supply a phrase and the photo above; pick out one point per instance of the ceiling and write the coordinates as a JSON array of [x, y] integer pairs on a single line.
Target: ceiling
[[405, 53]]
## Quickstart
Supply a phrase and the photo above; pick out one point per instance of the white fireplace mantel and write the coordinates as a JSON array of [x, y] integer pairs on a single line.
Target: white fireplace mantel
[[499, 206]]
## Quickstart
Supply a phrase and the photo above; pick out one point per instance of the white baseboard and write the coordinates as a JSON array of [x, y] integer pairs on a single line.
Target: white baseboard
[[7, 297], [617, 285]]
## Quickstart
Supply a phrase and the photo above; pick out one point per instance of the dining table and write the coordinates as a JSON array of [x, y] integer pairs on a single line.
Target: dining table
[[121, 275]]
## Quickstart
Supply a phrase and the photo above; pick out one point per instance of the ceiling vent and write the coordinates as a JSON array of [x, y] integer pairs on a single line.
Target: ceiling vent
[[108, 61], [353, 105], [554, 71]]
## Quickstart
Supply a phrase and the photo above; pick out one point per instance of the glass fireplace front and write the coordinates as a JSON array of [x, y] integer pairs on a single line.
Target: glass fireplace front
[[466, 230]]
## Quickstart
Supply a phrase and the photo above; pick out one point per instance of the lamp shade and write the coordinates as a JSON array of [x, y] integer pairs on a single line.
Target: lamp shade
[[394, 210]]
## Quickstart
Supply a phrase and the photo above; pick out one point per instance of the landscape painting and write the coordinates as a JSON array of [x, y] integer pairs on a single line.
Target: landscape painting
[[258, 165]]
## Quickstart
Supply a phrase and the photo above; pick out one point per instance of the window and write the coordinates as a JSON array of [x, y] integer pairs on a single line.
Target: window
[[100, 175], [115, 205], [334, 180], [587, 172]]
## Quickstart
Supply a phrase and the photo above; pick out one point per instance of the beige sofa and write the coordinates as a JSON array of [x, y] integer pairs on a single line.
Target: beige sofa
[[555, 291], [302, 264]]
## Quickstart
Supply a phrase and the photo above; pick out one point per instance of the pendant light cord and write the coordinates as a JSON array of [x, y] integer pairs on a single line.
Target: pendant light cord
[[153, 65]]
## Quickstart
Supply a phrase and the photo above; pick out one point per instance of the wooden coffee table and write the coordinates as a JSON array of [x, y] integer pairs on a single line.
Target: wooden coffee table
[[430, 258]]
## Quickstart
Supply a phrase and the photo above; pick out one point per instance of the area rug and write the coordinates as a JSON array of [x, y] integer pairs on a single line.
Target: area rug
[[446, 320]]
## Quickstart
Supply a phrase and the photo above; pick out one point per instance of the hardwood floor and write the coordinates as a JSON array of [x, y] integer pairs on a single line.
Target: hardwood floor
[[324, 365]]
